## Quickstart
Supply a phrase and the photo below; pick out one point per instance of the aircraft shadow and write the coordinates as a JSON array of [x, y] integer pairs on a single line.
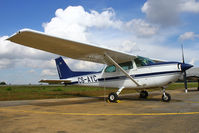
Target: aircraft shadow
[[152, 97], [88, 99], [195, 90], [71, 102]]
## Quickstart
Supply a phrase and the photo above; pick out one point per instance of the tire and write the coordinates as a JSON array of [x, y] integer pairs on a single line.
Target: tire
[[144, 94], [166, 97], [113, 97]]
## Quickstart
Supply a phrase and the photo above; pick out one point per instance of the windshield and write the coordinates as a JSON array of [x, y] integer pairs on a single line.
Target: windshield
[[142, 61]]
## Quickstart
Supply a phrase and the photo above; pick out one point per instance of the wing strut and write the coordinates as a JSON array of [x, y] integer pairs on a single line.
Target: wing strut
[[118, 66]]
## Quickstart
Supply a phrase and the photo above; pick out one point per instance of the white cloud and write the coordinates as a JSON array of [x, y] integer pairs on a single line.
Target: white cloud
[[5, 63], [163, 12], [74, 21], [141, 28], [13, 55], [188, 36], [71, 23], [36, 63], [76, 65], [48, 72], [189, 6], [14, 51], [192, 61], [124, 46], [31, 71], [166, 12]]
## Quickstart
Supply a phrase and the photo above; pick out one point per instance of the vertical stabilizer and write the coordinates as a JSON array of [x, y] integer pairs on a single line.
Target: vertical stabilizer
[[65, 72]]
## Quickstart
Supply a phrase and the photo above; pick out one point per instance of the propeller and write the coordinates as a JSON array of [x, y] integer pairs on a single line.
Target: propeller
[[184, 70]]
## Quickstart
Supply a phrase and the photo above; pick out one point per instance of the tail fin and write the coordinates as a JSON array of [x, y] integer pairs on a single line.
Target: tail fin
[[65, 72]]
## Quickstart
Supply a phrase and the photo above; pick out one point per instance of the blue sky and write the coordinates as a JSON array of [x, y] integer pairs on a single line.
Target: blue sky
[[149, 28], [18, 14]]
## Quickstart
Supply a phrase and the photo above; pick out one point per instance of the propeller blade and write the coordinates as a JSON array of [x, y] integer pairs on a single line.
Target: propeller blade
[[182, 54], [184, 71], [185, 82]]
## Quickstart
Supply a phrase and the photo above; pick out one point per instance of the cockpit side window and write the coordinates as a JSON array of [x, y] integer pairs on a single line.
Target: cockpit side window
[[142, 61], [111, 68]]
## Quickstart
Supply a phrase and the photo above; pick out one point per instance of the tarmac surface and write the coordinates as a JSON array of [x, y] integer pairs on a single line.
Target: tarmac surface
[[94, 115]]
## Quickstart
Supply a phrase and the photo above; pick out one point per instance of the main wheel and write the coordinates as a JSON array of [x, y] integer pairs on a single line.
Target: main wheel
[[144, 94], [166, 97], [113, 97]]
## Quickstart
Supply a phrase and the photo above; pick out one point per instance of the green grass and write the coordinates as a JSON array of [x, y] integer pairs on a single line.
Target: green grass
[[28, 92], [181, 85]]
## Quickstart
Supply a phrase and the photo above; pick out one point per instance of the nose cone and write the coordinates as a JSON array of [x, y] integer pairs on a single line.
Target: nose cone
[[185, 67]]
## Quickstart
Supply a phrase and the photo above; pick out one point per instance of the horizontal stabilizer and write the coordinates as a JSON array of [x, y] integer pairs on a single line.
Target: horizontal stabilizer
[[55, 81]]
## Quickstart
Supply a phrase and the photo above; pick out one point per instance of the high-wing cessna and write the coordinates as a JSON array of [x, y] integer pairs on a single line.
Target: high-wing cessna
[[122, 70]]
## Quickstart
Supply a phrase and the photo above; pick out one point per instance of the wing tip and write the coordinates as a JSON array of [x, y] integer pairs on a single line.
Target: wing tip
[[19, 32]]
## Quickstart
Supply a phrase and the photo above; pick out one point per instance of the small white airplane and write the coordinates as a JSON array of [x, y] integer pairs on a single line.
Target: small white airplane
[[122, 70]]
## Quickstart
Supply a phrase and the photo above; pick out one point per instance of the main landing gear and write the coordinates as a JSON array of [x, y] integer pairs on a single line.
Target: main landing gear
[[165, 97], [144, 94], [113, 97]]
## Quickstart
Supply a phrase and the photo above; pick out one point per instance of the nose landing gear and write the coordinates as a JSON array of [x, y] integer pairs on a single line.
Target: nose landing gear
[[166, 97]]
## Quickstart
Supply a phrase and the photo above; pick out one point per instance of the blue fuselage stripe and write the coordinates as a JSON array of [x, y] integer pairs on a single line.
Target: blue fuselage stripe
[[139, 75]]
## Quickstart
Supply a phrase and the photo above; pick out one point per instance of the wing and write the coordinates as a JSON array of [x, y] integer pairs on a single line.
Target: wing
[[68, 48]]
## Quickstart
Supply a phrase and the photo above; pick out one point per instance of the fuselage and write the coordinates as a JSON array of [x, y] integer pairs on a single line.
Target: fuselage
[[149, 76]]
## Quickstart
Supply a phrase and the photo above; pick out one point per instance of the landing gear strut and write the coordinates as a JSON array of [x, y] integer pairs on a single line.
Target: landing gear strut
[[166, 96], [144, 94]]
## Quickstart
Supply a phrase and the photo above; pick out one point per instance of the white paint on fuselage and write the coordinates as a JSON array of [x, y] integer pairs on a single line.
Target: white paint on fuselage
[[148, 77]]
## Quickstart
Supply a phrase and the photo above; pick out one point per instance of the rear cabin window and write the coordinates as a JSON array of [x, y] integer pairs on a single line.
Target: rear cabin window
[[126, 66], [142, 61]]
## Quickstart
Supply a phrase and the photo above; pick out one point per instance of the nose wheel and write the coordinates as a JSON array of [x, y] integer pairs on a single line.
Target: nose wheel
[[166, 96]]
